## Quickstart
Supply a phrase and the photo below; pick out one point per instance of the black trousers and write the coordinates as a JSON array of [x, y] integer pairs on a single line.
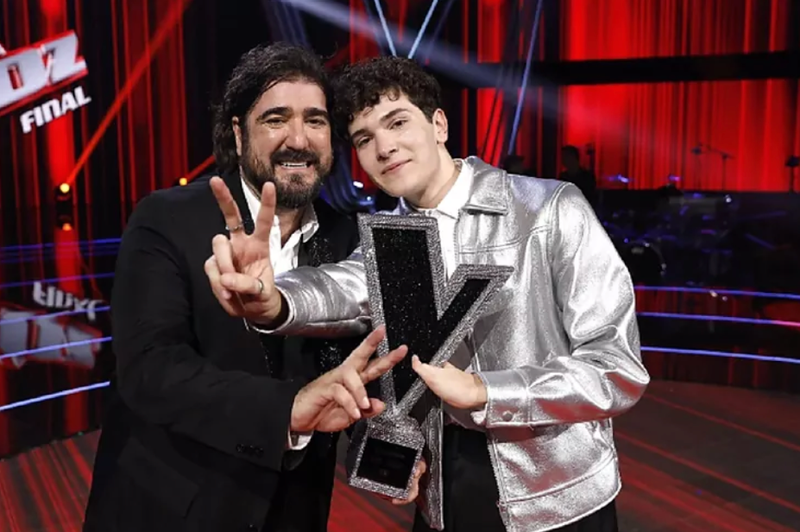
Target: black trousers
[[470, 490]]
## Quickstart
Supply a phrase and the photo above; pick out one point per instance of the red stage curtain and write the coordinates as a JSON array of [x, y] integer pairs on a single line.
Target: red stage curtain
[[646, 131], [492, 124], [621, 29]]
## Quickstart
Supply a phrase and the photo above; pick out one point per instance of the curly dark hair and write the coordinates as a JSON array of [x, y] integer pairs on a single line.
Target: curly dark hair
[[257, 71], [361, 85]]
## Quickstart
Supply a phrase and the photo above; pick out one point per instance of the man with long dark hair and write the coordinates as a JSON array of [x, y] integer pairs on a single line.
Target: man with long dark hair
[[211, 427]]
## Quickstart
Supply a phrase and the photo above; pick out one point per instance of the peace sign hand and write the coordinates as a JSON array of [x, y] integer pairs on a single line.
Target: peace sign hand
[[240, 270], [337, 399]]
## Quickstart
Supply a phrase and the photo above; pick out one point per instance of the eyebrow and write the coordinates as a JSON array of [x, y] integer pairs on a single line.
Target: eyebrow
[[385, 118], [285, 112]]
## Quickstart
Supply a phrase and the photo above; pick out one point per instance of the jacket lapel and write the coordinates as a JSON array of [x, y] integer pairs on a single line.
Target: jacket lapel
[[316, 251]]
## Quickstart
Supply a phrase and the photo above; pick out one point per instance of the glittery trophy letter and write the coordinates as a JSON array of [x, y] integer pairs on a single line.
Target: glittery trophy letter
[[407, 293]]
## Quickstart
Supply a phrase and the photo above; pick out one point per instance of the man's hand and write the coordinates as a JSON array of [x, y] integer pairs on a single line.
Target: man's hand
[[413, 493], [457, 388], [240, 271], [337, 399]]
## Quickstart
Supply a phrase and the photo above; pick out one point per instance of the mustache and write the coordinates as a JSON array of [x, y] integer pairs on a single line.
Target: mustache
[[294, 156]]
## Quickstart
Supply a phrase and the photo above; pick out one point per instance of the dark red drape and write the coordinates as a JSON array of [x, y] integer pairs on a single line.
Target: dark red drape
[[495, 108], [622, 29], [646, 132]]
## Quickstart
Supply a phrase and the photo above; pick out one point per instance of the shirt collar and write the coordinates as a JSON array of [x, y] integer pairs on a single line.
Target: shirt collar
[[308, 223], [456, 197]]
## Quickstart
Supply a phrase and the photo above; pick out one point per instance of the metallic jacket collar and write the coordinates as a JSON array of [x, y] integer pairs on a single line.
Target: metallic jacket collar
[[489, 194]]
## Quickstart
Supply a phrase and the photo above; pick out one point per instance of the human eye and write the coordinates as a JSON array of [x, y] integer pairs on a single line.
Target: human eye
[[318, 121], [274, 121]]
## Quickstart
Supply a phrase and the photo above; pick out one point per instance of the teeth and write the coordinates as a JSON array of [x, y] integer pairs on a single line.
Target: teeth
[[294, 165]]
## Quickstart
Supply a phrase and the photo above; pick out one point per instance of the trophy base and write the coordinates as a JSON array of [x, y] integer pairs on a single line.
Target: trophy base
[[382, 455]]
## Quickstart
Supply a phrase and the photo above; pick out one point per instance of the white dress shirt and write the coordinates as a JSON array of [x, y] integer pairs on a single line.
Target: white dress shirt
[[446, 216], [284, 258]]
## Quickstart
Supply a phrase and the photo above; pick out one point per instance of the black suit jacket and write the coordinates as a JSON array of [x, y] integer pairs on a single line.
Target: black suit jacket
[[195, 435]]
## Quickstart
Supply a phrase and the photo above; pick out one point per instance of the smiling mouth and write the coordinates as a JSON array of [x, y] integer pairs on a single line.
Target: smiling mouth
[[393, 167], [295, 166]]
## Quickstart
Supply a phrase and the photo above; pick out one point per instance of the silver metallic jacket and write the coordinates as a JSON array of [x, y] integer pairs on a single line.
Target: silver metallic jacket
[[558, 348]]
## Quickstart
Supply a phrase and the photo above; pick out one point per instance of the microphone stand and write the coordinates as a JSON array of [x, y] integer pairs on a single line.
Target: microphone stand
[[725, 156]]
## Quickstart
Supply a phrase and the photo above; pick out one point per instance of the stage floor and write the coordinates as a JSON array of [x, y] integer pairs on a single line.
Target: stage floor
[[694, 458]]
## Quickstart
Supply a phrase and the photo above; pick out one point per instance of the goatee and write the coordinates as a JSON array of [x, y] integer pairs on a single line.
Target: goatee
[[293, 191]]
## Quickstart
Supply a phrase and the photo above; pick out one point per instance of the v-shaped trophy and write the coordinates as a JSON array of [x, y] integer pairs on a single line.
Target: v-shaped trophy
[[409, 294]]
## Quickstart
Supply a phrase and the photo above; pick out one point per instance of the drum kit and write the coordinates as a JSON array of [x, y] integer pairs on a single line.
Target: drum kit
[[683, 238]]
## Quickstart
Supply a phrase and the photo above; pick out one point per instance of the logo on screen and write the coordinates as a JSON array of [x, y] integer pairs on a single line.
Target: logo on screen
[[28, 335], [28, 73], [52, 297]]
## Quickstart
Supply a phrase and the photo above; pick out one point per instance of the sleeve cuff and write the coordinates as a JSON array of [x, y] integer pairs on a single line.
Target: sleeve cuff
[[297, 441], [479, 416], [506, 393], [282, 327]]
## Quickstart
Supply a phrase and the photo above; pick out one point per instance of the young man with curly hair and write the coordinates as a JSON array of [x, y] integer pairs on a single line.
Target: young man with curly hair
[[526, 435]]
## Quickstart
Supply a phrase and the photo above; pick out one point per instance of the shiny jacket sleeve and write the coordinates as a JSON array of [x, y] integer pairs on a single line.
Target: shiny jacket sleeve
[[329, 301], [603, 376]]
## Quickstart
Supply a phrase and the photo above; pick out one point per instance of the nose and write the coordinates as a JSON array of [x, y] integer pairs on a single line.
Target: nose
[[384, 146], [296, 137]]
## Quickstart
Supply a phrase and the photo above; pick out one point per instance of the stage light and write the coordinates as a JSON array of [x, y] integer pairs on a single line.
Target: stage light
[[64, 211], [182, 181]]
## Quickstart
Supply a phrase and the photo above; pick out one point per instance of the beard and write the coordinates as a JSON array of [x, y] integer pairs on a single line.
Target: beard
[[294, 191]]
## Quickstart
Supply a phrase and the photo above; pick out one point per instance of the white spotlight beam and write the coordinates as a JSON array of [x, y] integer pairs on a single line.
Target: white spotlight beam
[[385, 27], [422, 29], [523, 89], [444, 58]]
